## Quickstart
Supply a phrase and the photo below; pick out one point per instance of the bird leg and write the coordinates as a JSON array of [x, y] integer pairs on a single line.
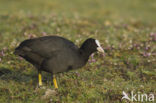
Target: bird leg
[[55, 82], [39, 78]]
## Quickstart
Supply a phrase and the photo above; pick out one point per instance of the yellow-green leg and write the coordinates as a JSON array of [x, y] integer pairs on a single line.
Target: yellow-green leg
[[39, 78], [55, 82]]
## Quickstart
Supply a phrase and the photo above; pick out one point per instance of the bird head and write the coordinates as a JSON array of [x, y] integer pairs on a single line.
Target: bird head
[[92, 45]]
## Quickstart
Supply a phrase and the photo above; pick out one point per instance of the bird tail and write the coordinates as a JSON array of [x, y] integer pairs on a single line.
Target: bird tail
[[28, 55], [18, 51]]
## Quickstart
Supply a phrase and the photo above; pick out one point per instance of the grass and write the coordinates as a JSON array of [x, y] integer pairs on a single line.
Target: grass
[[125, 28]]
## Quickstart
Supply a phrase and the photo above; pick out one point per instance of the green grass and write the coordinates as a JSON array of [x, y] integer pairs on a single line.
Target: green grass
[[122, 26]]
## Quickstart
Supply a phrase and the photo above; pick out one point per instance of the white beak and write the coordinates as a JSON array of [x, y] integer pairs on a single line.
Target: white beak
[[100, 49]]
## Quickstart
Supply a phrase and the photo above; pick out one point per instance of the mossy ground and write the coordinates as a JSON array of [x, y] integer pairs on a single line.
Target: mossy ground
[[125, 28]]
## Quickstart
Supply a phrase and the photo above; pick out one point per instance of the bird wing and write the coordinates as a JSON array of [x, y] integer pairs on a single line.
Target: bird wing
[[46, 46]]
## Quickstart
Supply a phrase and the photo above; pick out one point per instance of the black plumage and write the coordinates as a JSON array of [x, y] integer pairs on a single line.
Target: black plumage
[[56, 54]]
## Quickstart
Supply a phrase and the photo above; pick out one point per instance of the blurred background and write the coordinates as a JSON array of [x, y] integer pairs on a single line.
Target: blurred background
[[24, 17], [98, 9], [125, 28]]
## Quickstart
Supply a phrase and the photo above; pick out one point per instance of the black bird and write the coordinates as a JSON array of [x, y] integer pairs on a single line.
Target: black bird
[[56, 54]]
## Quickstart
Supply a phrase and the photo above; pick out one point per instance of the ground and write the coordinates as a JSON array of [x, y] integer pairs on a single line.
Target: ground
[[125, 28]]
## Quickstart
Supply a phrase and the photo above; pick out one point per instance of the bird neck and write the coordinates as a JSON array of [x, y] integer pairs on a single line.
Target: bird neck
[[84, 53]]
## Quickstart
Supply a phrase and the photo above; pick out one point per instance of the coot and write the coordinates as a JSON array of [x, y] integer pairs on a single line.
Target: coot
[[56, 54]]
